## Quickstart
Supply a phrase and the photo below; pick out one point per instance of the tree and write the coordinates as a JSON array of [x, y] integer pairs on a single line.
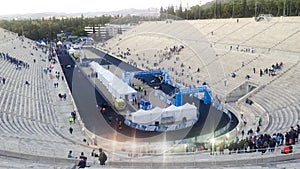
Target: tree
[[195, 12], [179, 12], [171, 10], [163, 14]]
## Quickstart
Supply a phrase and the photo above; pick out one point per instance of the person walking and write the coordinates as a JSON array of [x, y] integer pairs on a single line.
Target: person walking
[[71, 120], [110, 118], [71, 130], [120, 124], [65, 96], [73, 114]]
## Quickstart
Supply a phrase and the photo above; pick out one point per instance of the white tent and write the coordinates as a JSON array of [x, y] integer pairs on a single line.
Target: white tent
[[157, 111], [188, 107], [117, 88], [140, 116], [147, 117], [169, 111], [114, 85], [106, 77], [120, 89], [169, 114], [187, 111], [94, 66], [172, 109]]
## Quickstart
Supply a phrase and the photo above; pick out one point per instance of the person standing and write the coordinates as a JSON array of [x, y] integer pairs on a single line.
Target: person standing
[[102, 157], [259, 121], [260, 72], [70, 155]]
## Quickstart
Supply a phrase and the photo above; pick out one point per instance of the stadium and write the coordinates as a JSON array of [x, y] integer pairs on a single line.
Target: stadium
[[239, 74]]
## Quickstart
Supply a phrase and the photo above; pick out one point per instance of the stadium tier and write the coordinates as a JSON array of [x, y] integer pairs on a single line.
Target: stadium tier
[[33, 119], [225, 54]]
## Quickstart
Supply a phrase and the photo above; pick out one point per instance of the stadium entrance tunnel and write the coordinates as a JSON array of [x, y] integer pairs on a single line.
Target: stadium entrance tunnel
[[241, 91]]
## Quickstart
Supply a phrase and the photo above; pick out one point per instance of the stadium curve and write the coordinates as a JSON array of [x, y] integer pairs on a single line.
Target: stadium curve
[[94, 122], [276, 99]]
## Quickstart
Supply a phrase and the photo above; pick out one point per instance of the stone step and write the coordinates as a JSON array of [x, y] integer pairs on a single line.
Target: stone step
[[10, 124], [20, 121], [4, 127]]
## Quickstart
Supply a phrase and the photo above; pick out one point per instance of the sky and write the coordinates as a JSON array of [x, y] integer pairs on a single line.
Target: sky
[[82, 6]]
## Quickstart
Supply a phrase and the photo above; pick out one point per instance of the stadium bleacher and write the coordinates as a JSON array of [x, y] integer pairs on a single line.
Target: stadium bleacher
[[34, 121], [236, 47], [213, 59]]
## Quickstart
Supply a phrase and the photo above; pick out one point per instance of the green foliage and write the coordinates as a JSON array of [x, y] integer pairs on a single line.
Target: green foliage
[[237, 8], [47, 29]]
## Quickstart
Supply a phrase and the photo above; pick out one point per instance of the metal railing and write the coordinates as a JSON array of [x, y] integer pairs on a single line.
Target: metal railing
[[201, 158]]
